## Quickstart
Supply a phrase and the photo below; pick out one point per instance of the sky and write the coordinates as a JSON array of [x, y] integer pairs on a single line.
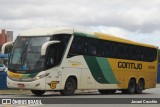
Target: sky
[[137, 20]]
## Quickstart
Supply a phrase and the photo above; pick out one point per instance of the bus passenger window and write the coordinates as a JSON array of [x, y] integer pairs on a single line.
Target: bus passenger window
[[78, 47], [92, 47]]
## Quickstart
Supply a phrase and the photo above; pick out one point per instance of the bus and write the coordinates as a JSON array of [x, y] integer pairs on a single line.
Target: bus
[[68, 59], [4, 54]]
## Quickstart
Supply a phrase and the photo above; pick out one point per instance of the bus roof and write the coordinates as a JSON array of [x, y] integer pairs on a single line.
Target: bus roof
[[46, 31], [118, 39], [71, 30], [51, 31]]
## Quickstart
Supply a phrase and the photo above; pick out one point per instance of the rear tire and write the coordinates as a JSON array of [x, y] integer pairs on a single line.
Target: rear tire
[[107, 91], [131, 86], [140, 86], [70, 87], [38, 92]]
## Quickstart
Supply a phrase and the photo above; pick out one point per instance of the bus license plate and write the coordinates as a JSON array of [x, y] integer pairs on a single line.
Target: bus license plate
[[20, 85]]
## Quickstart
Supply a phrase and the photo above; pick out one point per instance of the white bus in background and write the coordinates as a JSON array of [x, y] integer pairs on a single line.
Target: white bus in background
[[4, 55]]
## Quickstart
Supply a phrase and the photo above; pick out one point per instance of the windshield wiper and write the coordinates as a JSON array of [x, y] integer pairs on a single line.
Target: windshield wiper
[[22, 57]]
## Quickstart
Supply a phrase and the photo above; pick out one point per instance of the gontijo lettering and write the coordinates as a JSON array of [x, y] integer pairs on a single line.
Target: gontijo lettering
[[129, 65]]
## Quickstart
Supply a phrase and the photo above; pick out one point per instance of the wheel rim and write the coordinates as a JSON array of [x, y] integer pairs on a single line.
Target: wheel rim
[[69, 87], [140, 87], [132, 86]]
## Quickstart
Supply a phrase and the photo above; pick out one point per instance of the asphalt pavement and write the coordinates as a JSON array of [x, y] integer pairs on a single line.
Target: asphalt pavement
[[87, 98]]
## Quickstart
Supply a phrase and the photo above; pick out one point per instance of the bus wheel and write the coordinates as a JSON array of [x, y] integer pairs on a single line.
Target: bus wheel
[[140, 86], [131, 86], [38, 92], [107, 91], [69, 88]]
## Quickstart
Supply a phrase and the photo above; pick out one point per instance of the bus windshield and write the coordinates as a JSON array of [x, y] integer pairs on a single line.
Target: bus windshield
[[26, 54]]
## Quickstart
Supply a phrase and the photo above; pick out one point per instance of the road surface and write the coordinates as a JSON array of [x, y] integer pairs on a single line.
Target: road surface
[[89, 99]]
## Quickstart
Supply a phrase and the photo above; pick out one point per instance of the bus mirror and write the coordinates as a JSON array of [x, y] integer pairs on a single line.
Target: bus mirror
[[5, 45], [45, 45]]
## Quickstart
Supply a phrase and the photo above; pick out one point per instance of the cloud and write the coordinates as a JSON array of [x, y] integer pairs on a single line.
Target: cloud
[[115, 31], [123, 18]]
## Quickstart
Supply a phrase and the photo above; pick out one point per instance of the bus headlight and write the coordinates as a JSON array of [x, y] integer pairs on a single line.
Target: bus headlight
[[41, 76]]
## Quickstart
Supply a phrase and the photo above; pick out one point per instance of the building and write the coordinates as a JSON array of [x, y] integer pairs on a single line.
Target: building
[[5, 36], [9, 36], [2, 37]]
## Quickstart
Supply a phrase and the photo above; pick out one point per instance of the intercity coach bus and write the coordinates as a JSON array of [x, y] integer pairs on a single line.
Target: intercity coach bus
[[69, 59]]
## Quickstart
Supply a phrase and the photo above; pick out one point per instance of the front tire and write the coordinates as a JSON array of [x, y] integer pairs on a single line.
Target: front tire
[[38, 92], [70, 87]]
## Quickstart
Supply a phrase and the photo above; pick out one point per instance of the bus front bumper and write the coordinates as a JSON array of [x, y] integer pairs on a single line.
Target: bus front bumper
[[32, 85]]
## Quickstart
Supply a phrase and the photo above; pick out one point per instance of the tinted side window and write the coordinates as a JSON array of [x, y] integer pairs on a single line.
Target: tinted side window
[[63, 38], [94, 47], [78, 46], [111, 49]]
